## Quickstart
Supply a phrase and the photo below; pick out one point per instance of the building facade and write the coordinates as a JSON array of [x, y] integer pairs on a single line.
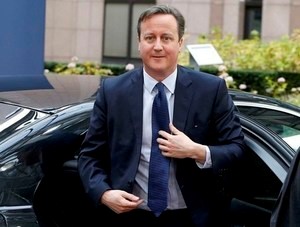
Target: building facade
[[104, 31]]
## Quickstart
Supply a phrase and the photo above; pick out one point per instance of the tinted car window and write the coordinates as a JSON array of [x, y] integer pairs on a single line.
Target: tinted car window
[[255, 192], [258, 184], [286, 125]]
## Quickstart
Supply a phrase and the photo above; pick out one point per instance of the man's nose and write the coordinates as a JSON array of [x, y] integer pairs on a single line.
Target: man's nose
[[158, 45]]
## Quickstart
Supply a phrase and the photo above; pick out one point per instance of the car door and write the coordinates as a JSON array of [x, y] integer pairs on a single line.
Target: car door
[[257, 182], [17, 216]]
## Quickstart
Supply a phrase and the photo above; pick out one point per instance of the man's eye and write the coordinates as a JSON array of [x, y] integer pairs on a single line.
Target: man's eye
[[149, 38], [167, 38]]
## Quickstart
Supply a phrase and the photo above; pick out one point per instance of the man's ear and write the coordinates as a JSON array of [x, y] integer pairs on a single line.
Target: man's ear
[[180, 43]]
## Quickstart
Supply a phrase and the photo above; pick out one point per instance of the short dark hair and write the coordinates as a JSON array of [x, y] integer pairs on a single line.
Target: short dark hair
[[162, 9]]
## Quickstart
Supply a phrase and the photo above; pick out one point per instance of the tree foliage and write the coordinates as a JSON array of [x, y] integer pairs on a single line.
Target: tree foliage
[[281, 55]]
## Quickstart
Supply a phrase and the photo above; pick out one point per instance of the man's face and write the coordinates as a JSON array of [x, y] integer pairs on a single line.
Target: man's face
[[159, 45]]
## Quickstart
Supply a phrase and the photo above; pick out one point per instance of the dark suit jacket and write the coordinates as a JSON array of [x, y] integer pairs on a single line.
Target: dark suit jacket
[[203, 110], [287, 208]]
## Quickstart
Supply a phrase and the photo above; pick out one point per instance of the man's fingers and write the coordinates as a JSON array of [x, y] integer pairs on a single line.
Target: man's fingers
[[131, 197], [173, 129]]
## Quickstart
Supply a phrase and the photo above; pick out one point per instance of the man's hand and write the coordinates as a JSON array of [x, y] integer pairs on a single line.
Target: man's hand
[[120, 201], [177, 145]]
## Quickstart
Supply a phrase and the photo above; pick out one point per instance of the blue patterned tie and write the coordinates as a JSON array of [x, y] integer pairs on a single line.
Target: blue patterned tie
[[159, 165]]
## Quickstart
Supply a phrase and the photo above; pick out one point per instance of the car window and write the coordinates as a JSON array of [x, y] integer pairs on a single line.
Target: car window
[[286, 125], [259, 185], [13, 118]]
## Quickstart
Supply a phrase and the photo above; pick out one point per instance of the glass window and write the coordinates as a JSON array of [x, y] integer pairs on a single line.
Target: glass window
[[253, 17], [286, 125], [120, 44], [116, 28], [137, 10], [257, 189]]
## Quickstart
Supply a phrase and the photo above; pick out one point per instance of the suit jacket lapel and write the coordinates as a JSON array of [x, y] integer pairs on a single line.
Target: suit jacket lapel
[[135, 97], [183, 99]]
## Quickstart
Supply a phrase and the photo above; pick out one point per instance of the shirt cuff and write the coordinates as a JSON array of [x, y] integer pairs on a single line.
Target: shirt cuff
[[208, 162]]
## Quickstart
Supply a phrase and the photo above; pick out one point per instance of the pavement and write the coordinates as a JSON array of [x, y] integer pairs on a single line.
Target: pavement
[[66, 89]]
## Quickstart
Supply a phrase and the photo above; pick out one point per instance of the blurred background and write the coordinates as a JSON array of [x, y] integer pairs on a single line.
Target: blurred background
[[39, 40]]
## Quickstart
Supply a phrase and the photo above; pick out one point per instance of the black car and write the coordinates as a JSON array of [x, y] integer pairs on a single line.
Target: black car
[[39, 182]]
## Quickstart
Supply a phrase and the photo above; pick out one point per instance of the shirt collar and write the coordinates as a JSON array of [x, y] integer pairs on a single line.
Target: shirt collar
[[169, 82]]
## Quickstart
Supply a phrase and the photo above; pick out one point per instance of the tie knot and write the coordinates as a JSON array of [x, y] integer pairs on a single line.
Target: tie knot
[[160, 87]]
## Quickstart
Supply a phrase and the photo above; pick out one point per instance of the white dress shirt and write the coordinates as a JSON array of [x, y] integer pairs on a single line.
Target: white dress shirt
[[175, 198]]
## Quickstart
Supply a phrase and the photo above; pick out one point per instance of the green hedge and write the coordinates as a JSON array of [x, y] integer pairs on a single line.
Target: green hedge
[[258, 81]]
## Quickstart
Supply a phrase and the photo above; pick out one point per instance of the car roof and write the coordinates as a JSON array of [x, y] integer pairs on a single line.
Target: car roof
[[242, 96]]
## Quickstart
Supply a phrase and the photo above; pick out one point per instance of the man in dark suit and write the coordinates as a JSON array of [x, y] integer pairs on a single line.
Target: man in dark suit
[[202, 141]]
